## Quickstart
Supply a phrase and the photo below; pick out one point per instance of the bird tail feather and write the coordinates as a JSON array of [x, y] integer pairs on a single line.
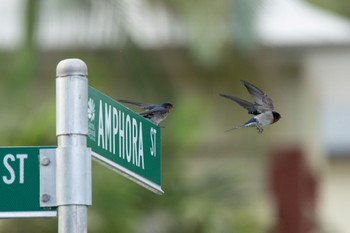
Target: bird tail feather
[[234, 128]]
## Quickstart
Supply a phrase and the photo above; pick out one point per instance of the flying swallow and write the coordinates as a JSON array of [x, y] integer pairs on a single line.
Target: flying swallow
[[262, 108], [155, 113]]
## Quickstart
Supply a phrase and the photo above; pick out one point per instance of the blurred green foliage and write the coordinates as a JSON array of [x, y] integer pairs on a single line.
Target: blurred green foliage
[[339, 6], [205, 185], [213, 181]]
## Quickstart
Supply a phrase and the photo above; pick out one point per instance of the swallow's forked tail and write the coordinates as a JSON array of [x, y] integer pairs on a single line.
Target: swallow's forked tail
[[260, 129], [233, 128]]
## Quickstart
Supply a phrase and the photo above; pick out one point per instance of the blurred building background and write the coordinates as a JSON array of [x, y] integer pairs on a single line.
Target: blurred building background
[[292, 178]]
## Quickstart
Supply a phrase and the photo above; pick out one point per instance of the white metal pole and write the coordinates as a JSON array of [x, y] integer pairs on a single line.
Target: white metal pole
[[73, 177]]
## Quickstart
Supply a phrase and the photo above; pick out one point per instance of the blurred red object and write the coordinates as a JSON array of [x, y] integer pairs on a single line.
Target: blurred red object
[[294, 190]]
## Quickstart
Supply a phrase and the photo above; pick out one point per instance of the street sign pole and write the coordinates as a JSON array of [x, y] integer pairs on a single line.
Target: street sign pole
[[73, 180]]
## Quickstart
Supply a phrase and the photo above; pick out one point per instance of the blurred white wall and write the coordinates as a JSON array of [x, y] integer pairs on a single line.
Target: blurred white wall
[[316, 102], [11, 24], [96, 25], [327, 72]]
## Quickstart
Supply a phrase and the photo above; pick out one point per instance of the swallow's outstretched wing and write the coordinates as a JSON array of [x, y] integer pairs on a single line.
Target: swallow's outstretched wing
[[139, 104], [245, 104], [154, 110], [263, 102]]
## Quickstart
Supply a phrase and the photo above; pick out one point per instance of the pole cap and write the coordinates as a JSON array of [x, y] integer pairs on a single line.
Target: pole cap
[[71, 67]]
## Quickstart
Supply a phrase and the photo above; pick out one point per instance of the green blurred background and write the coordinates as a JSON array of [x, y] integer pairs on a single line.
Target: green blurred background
[[213, 181]]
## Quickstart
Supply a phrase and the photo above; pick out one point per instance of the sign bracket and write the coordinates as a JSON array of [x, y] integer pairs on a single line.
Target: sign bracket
[[47, 169]]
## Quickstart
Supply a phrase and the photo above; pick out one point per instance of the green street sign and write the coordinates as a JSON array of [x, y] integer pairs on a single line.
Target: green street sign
[[124, 141], [20, 183]]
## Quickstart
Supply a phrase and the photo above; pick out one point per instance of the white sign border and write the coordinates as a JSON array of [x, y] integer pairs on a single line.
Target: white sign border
[[128, 174]]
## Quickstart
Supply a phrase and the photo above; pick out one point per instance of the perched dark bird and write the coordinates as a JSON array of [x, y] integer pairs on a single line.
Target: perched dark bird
[[155, 113], [262, 108]]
